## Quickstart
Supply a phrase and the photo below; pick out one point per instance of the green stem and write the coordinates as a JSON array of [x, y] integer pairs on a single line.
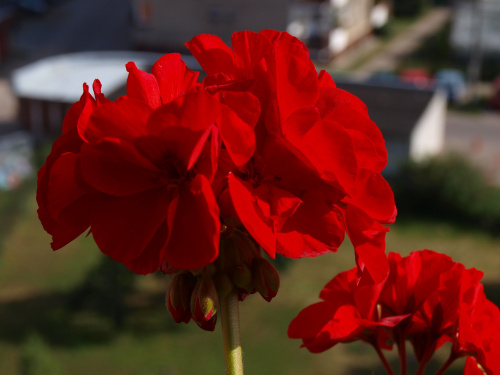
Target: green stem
[[400, 340], [383, 359], [447, 364], [231, 334]]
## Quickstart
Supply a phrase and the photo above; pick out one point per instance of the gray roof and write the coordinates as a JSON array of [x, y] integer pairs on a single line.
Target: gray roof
[[394, 108]]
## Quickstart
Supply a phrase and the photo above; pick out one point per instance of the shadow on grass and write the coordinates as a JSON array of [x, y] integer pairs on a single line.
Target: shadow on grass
[[54, 318]]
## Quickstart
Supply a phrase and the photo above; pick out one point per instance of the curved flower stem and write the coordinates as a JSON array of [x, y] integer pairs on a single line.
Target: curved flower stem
[[447, 364], [383, 359], [231, 334], [429, 351], [400, 339]]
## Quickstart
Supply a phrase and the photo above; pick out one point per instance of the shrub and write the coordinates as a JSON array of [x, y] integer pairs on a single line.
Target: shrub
[[448, 187], [36, 358]]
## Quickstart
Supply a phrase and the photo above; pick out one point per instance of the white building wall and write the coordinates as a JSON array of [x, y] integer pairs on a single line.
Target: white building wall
[[427, 137]]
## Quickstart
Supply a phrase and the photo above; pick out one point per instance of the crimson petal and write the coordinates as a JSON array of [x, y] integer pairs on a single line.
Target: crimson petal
[[194, 226]]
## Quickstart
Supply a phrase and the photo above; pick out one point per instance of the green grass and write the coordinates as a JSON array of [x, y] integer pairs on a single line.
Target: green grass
[[35, 283]]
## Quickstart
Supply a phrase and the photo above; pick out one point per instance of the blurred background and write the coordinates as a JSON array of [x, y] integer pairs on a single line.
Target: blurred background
[[429, 72]]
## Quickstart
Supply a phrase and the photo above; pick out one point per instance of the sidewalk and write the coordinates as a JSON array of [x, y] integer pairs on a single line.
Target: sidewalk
[[404, 44], [389, 56]]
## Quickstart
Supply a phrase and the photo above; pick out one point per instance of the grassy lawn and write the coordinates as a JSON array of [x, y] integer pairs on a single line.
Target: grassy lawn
[[36, 283]]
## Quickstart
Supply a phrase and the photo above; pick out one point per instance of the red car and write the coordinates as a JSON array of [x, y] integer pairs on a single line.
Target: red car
[[419, 77]]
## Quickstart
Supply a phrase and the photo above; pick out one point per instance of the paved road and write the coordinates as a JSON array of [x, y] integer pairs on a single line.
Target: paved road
[[476, 136], [404, 44]]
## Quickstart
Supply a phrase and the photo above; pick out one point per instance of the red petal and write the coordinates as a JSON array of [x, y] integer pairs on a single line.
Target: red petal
[[471, 367], [374, 196], [173, 76], [331, 151], [150, 259], [246, 204], [315, 228], [143, 86], [238, 118], [368, 239], [123, 227], [296, 79], [79, 112], [117, 168], [125, 119], [63, 188], [249, 49], [195, 229], [213, 54], [185, 124]]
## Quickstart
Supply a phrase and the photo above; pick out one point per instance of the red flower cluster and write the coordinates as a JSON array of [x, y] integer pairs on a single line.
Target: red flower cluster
[[427, 299], [264, 144]]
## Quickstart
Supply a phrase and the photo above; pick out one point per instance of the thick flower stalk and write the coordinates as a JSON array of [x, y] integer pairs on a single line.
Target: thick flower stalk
[[428, 299]]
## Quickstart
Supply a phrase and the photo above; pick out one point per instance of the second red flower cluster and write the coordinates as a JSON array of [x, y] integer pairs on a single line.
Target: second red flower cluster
[[428, 299]]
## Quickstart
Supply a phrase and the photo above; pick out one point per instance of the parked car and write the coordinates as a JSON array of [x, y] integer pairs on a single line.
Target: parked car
[[418, 77], [452, 82]]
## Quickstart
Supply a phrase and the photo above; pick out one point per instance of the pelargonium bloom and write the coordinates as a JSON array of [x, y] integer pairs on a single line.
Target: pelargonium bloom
[[197, 177], [138, 171], [315, 171], [428, 299]]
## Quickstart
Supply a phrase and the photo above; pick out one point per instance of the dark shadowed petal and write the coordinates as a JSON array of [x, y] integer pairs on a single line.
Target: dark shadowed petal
[[150, 259], [74, 219], [63, 186], [124, 226], [195, 226], [116, 167]]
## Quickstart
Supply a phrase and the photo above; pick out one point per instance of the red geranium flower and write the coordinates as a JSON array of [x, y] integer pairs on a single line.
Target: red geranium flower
[[315, 171], [138, 171], [428, 299]]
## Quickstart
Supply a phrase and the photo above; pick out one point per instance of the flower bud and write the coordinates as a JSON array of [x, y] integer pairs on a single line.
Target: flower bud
[[241, 276], [223, 284], [204, 301], [179, 297], [266, 278]]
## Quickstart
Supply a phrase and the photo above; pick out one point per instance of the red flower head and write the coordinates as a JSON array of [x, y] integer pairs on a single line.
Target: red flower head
[[314, 171], [265, 149], [427, 299], [138, 172]]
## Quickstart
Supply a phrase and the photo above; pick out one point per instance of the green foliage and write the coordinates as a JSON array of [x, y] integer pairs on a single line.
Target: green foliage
[[104, 290], [410, 8], [448, 187], [36, 358]]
